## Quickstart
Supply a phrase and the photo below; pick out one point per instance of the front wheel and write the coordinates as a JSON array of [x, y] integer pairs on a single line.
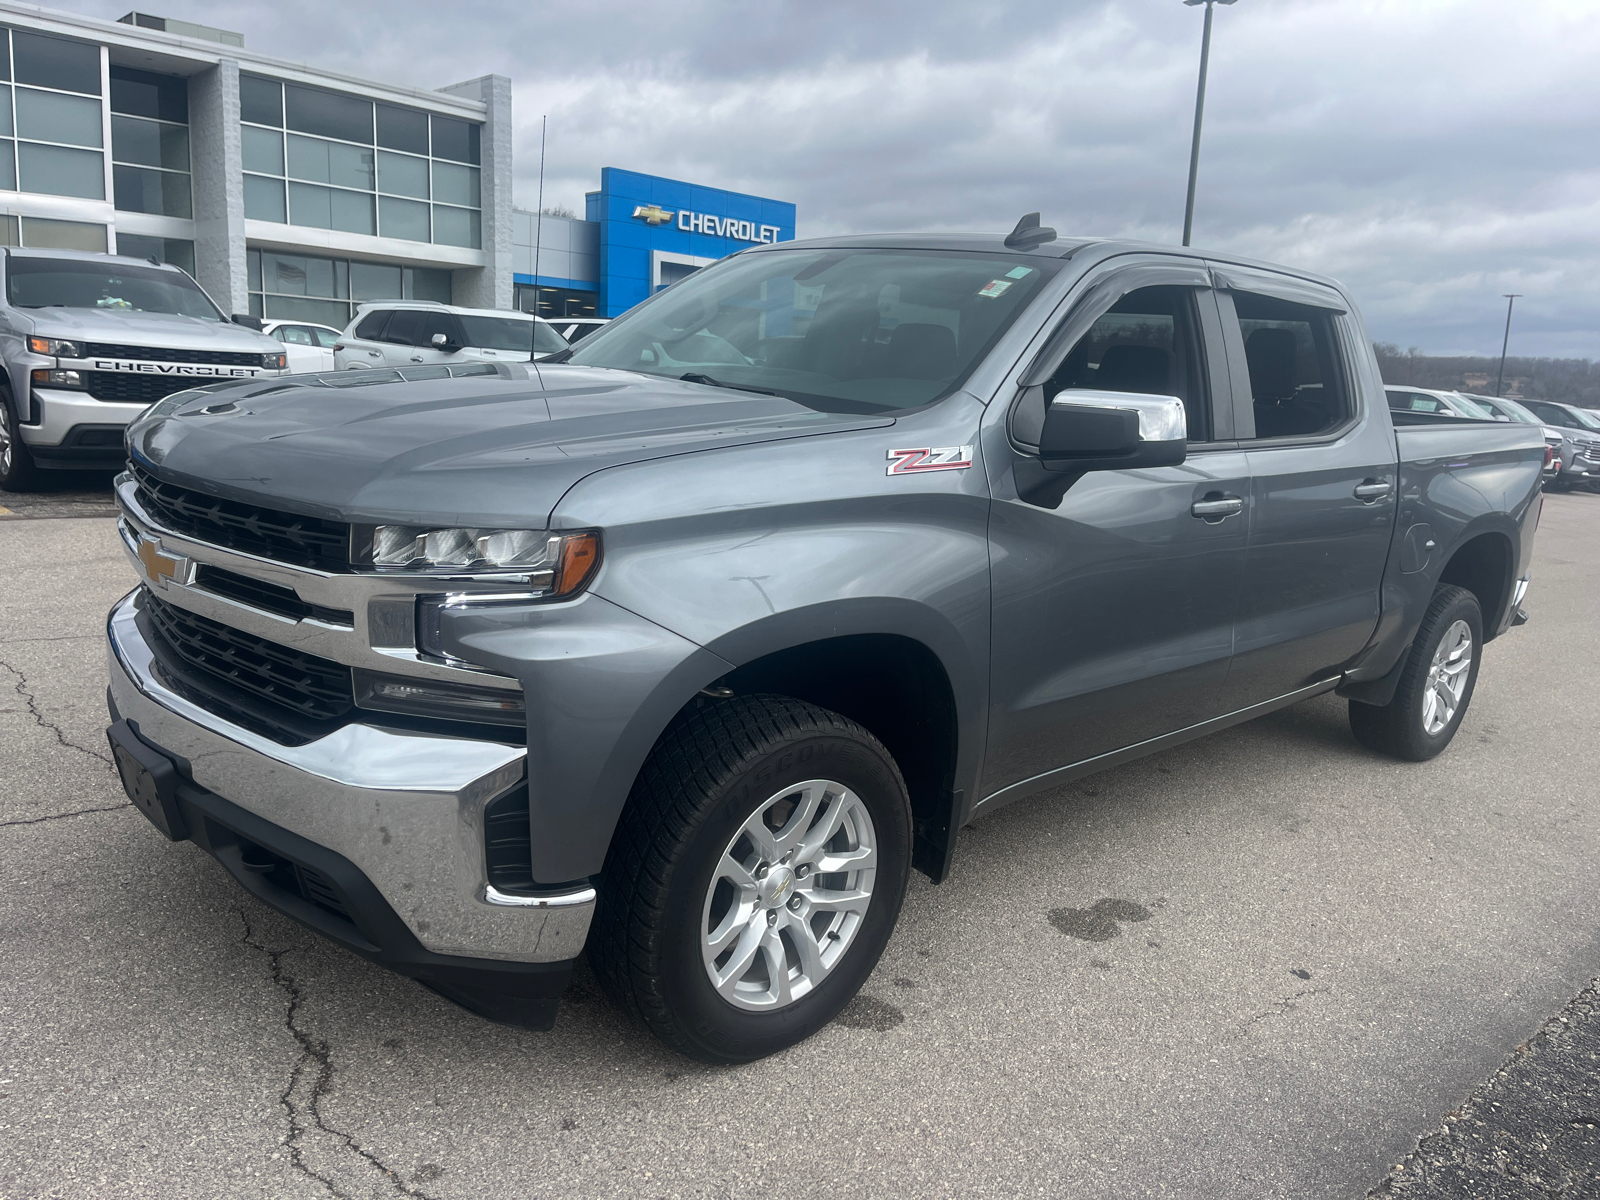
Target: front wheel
[[755, 878], [1435, 685], [17, 470]]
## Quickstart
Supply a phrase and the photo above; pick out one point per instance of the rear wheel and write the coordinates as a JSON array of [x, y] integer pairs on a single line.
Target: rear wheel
[[755, 878], [17, 470], [1435, 685]]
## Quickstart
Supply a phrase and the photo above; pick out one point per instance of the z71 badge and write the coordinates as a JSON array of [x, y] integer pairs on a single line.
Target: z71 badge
[[940, 458]]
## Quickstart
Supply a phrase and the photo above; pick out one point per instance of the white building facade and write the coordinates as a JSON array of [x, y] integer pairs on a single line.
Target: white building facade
[[286, 191]]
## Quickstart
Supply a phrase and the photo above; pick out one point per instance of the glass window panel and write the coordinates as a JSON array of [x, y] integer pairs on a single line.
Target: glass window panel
[[255, 306], [402, 129], [327, 338], [178, 252], [341, 278], [254, 269], [295, 308], [260, 100], [5, 111], [5, 71], [64, 235], [428, 283], [263, 199], [406, 219], [455, 226], [8, 231], [294, 335], [56, 63], [350, 166], [55, 118], [308, 159], [263, 150], [454, 139], [455, 185], [329, 114], [298, 274], [140, 189], [374, 281], [143, 94], [8, 166], [148, 144], [352, 212], [57, 171], [402, 175], [310, 206]]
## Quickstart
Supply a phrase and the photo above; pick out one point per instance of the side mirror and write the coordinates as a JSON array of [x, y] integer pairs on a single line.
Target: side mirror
[[248, 321], [441, 341], [1113, 431]]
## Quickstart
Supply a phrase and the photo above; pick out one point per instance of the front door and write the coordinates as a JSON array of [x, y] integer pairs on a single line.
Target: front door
[[1113, 612], [1322, 462]]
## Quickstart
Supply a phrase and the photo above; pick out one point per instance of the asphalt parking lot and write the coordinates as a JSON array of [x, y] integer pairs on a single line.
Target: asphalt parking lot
[[1263, 964]]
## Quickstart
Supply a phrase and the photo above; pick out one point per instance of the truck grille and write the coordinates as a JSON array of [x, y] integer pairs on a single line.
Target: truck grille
[[122, 387], [270, 597], [247, 528], [288, 683], [215, 358]]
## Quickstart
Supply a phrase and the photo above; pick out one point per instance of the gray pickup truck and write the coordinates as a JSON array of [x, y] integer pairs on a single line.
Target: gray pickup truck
[[688, 649], [89, 341]]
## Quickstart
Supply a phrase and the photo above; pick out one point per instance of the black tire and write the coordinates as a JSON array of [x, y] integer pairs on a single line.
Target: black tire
[[1397, 728], [18, 473], [720, 762]]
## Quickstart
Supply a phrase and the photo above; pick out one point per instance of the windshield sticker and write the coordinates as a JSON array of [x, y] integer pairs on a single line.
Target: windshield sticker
[[939, 458], [1019, 272], [995, 287]]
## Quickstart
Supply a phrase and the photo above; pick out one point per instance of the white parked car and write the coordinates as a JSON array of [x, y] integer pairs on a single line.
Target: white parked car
[[308, 345], [400, 333], [1433, 400], [575, 329]]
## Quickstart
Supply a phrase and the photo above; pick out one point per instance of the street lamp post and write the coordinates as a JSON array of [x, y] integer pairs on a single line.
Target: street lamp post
[[1511, 298], [1199, 110]]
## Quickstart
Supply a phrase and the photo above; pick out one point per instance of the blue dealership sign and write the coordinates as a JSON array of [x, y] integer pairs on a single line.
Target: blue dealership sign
[[654, 230]]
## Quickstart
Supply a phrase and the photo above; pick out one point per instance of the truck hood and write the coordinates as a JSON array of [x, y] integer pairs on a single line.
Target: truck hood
[[158, 330], [492, 450]]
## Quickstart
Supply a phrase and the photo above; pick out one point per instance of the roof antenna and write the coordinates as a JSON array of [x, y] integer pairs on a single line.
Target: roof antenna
[[1029, 233]]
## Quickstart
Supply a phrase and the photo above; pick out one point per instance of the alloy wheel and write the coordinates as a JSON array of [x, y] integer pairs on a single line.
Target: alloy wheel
[[1447, 678]]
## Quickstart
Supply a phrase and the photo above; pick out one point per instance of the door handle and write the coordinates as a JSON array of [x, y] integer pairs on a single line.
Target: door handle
[[1373, 489], [416, 358], [1217, 508]]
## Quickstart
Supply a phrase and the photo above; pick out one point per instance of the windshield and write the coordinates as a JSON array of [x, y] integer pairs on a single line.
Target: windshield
[[837, 330], [74, 283], [510, 333], [1471, 408], [1590, 420], [1509, 407]]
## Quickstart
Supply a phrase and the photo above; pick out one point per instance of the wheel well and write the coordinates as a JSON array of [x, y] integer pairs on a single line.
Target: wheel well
[[1483, 567], [898, 690]]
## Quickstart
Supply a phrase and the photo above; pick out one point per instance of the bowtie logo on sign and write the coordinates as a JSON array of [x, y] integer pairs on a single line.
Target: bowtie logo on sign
[[691, 222]]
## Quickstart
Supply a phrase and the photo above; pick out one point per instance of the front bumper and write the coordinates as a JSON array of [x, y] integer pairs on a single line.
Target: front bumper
[[402, 811]]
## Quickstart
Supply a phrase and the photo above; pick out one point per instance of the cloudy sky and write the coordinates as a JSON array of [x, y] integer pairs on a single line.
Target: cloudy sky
[[1433, 154]]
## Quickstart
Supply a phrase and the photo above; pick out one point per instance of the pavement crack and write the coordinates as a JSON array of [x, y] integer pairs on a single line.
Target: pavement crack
[[22, 689], [1287, 1004], [82, 812], [314, 1063]]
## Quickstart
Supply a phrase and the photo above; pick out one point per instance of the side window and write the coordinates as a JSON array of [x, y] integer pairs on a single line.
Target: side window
[[371, 327], [405, 327], [1553, 415], [437, 322], [1413, 402], [326, 338], [1148, 342], [294, 335], [1297, 386]]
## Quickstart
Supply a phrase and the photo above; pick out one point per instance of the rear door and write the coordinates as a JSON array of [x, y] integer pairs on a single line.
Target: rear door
[[1311, 412], [1114, 610], [364, 346]]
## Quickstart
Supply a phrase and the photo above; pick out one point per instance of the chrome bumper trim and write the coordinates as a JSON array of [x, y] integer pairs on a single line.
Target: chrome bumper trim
[[405, 808]]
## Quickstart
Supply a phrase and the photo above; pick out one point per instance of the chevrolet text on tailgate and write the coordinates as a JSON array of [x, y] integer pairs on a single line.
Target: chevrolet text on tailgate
[[685, 646], [89, 341]]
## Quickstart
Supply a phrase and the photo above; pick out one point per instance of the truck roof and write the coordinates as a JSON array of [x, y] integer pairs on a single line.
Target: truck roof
[[85, 256]]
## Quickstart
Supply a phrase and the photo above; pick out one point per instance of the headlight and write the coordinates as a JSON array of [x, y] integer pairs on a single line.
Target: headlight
[[275, 362], [55, 346], [557, 564], [60, 379]]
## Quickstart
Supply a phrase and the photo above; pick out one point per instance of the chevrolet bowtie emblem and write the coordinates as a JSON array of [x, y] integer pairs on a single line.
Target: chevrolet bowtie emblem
[[653, 214], [160, 566]]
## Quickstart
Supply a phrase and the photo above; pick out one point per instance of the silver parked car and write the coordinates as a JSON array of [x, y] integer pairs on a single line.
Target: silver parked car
[[1580, 466], [1562, 447]]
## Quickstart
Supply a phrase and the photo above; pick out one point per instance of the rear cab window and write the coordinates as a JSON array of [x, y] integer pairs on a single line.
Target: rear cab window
[[1298, 385]]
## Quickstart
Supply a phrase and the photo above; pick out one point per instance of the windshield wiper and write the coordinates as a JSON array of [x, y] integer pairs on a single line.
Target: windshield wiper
[[697, 377]]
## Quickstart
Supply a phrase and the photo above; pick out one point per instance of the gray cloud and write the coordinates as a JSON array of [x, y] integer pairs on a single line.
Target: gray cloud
[[1431, 153]]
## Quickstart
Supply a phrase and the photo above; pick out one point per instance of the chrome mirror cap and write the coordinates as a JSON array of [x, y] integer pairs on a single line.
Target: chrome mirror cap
[[1161, 418]]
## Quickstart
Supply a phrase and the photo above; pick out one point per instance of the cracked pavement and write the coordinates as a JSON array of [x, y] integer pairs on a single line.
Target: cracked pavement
[[1266, 964]]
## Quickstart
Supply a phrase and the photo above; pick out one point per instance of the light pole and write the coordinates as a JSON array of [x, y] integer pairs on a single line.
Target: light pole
[[1511, 298], [1199, 110]]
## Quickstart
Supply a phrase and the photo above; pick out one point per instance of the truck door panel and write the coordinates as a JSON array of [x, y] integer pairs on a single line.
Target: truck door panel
[[1322, 462], [1113, 612]]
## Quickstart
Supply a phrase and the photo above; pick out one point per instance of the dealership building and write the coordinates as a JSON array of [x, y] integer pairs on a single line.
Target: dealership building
[[293, 192]]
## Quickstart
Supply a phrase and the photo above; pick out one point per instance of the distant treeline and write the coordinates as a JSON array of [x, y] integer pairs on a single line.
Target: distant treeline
[[1571, 380]]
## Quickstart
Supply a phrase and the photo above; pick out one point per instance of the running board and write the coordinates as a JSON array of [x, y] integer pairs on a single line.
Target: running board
[[1089, 766]]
